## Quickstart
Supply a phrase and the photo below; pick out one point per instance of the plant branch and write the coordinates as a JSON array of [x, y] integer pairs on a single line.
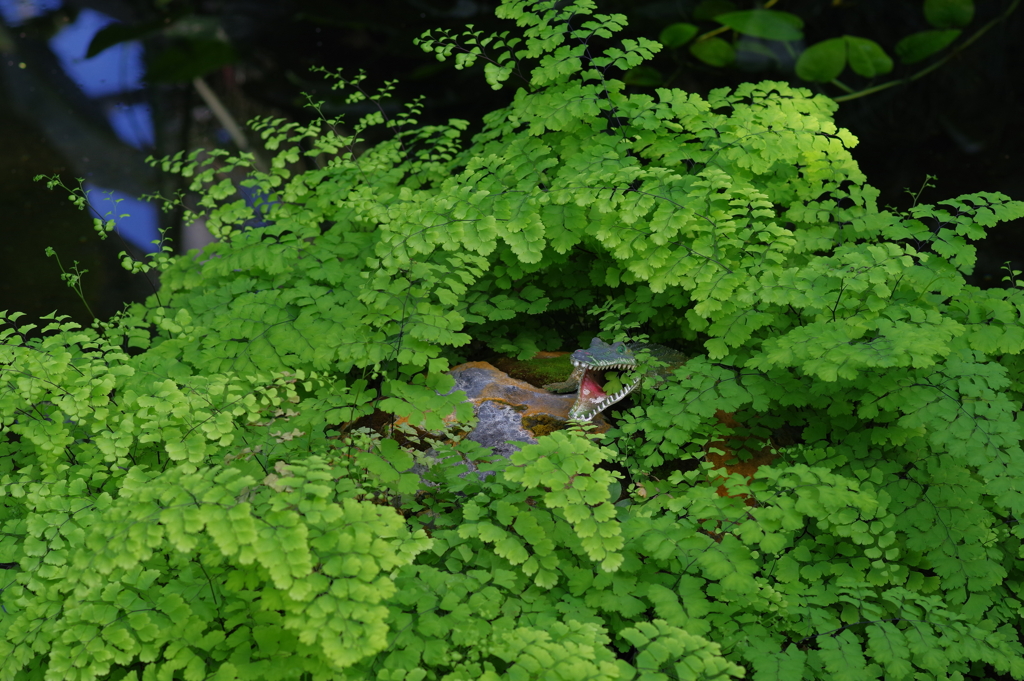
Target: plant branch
[[925, 71], [225, 118]]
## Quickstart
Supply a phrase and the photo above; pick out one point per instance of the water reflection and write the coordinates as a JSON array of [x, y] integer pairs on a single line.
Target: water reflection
[[80, 103]]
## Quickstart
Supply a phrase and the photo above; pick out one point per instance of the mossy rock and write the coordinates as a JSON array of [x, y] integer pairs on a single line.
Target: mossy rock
[[544, 368]]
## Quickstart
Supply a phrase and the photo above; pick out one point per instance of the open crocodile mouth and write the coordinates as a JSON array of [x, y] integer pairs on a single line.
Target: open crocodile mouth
[[592, 397]]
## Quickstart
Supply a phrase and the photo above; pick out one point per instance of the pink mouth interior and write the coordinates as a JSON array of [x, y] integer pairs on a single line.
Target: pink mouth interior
[[589, 387]]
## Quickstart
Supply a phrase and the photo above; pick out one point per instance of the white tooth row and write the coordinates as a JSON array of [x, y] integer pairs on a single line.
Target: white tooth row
[[603, 367], [611, 399]]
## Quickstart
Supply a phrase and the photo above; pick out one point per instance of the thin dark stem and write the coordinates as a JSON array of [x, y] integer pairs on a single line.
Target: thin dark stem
[[925, 71]]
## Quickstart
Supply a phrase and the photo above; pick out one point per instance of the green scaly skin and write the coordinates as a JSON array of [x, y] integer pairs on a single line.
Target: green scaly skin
[[589, 369]]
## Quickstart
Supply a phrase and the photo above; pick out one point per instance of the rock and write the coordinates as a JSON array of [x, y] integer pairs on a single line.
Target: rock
[[508, 411]]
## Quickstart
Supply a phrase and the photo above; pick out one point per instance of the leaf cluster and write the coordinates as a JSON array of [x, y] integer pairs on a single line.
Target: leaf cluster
[[768, 33], [196, 491]]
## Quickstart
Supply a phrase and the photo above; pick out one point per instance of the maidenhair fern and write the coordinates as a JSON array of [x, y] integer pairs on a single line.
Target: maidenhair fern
[[214, 506]]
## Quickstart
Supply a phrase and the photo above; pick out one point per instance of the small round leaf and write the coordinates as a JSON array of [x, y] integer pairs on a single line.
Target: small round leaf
[[714, 51], [678, 34], [867, 58], [948, 13], [822, 62], [644, 75], [764, 23], [921, 45]]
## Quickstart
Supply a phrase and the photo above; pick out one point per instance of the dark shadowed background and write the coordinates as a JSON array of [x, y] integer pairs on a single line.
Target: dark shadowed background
[[90, 88]]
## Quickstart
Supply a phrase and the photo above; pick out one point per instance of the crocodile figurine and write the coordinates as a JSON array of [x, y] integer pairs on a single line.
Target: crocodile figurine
[[596, 376]]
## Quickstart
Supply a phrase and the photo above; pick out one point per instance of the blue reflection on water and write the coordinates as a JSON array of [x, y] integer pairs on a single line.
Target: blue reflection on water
[[118, 70], [136, 219], [16, 12]]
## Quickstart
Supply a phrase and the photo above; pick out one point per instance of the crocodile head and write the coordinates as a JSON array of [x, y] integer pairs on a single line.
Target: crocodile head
[[590, 367]]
